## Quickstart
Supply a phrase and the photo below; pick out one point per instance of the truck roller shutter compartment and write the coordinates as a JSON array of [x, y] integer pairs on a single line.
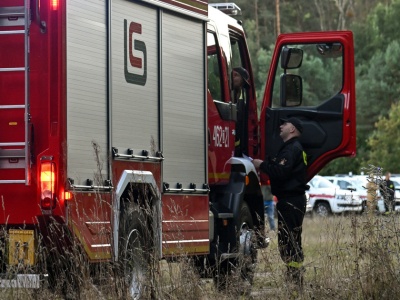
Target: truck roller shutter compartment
[[183, 100]]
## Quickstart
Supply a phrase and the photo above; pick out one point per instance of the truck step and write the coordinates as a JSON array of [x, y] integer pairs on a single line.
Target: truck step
[[17, 69], [12, 16]]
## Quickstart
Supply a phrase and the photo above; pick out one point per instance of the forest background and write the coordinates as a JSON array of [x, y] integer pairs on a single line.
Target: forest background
[[376, 28]]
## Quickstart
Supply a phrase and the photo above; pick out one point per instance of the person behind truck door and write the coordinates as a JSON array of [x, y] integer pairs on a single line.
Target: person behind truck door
[[241, 82], [287, 173], [268, 201], [387, 192]]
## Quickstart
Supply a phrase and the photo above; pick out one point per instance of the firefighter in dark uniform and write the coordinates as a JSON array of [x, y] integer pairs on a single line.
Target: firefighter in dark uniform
[[387, 191], [241, 83], [287, 173]]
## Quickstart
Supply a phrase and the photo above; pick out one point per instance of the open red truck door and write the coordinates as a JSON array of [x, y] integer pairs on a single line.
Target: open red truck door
[[312, 78]]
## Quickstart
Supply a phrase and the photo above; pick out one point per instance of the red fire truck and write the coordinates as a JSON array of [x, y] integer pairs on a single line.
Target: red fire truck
[[117, 130]]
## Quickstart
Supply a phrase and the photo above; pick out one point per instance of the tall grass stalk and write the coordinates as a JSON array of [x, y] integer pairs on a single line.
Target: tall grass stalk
[[346, 257], [352, 256]]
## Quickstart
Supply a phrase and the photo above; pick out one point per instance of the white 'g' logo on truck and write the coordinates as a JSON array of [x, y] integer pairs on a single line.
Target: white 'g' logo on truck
[[137, 62]]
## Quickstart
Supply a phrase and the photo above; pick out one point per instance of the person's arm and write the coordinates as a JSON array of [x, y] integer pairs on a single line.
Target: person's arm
[[392, 189], [282, 167]]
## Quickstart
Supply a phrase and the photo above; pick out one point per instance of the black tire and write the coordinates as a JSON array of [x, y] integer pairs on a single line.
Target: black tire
[[134, 251], [245, 216], [202, 266], [236, 275], [322, 209], [364, 208], [66, 266], [246, 227], [64, 276]]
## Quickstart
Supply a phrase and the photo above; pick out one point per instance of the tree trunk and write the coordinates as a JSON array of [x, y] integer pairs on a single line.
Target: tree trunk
[[278, 18], [342, 7], [321, 14], [257, 25]]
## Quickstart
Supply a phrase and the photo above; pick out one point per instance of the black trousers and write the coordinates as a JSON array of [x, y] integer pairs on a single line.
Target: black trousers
[[291, 211], [389, 203]]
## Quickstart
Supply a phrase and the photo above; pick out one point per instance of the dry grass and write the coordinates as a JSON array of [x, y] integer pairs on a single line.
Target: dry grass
[[346, 257]]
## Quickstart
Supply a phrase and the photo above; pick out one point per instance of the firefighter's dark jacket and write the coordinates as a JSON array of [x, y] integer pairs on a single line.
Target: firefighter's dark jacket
[[387, 189], [287, 171]]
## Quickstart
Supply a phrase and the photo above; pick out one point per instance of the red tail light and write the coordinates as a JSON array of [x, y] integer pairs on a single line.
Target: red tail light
[[54, 4], [47, 185], [67, 195]]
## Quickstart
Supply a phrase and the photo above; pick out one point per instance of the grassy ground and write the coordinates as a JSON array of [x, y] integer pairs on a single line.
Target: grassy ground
[[346, 257]]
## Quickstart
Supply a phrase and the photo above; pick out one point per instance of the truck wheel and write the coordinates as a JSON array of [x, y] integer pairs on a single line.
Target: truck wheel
[[236, 275], [364, 206], [247, 242], [202, 266], [134, 251], [322, 209]]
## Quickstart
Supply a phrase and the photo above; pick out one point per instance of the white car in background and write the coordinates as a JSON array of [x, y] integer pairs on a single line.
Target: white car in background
[[308, 204], [350, 183], [326, 198]]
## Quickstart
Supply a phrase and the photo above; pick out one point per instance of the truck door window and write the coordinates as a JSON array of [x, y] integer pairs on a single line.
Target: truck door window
[[321, 73], [214, 74], [236, 56], [238, 50], [241, 96]]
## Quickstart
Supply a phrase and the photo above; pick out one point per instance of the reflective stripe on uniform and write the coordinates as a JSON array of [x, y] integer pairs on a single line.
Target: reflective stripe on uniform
[[305, 158], [295, 264]]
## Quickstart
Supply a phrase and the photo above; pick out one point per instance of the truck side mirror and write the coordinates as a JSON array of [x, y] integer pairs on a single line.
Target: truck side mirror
[[291, 90], [291, 58]]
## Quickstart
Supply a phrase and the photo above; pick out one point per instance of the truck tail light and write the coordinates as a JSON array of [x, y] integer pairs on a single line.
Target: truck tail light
[[47, 185], [67, 195], [54, 4]]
